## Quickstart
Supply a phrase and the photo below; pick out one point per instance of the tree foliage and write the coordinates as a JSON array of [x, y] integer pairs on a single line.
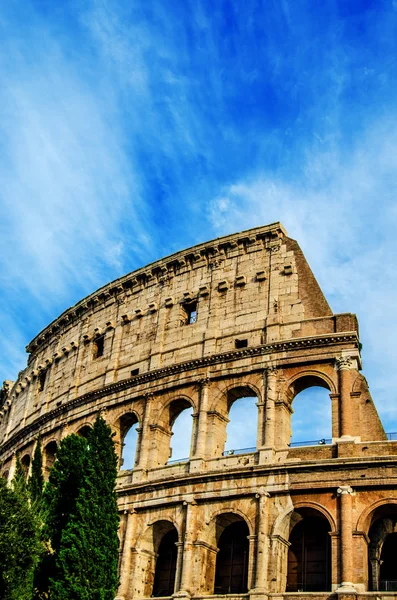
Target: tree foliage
[[82, 519], [19, 540], [19, 480], [36, 480]]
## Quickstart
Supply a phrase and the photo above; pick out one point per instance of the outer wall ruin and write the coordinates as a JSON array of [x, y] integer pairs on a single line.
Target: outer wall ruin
[[239, 316]]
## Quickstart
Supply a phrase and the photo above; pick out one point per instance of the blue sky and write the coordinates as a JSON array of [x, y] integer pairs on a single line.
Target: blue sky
[[130, 130]]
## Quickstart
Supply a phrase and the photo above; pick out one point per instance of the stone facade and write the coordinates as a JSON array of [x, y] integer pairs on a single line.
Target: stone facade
[[239, 316]]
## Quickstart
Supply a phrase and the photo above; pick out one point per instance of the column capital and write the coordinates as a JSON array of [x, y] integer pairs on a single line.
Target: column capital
[[204, 382], [344, 363], [271, 371], [345, 489]]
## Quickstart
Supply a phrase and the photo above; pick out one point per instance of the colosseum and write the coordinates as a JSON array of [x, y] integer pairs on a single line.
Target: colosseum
[[235, 318]]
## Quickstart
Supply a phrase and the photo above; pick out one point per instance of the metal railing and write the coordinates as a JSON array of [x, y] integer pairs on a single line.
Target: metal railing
[[321, 442], [388, 585], [177, 460], [233, 451]]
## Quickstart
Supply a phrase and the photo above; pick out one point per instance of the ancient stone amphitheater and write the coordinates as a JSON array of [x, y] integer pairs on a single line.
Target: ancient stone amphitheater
[[241, 316]]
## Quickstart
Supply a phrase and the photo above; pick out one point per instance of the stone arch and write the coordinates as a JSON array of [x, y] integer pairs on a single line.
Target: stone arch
[[84, 430], [231, 532], [308, 378], [173, 406], [163, 429], [309, 553], [319, 508], [220, 426], [307, 388], [380, 525], [227, 510], [157, 562], [365, 519], [129, 439], [282, 524], [229, 393], [49, 455], [25, 462]]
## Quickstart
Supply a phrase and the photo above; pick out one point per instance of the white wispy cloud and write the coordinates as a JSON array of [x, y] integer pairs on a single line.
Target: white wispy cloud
[[343, 214], [131, 130]]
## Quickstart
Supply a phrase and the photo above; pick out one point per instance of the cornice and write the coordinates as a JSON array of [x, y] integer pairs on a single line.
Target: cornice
[[350, 338], [160, 271], [331, 466]]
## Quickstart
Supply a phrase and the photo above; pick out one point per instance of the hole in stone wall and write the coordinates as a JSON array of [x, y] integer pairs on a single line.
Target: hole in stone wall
[[189, 312], [241, 343], [98, 346], [41, 380]]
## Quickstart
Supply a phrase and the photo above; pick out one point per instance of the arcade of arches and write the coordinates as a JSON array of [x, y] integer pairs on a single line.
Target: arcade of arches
[[211, 367], [234, 424]]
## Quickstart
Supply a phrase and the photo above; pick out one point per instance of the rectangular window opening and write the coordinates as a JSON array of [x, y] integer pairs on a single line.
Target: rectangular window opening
[[241, 343], [41, 380], [99, 345], [190, 313], [134, 372]]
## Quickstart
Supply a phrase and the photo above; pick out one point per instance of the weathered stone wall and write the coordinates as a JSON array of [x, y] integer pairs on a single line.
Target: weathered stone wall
[[240, 316]]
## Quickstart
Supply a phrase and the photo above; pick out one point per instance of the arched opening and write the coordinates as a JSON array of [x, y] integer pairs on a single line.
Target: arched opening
[[25, 462], [309, 555], [165, 539], [311, 421], [231, 570], [180, 422], [241, 430], [129, 434], [84, 431], [49, 453], [5, 475], [388, 564], [382, 549]]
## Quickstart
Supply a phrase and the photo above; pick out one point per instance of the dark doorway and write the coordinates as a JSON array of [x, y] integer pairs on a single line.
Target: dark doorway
[[388, 564], [231, 572], [164, 577], [309, 565]]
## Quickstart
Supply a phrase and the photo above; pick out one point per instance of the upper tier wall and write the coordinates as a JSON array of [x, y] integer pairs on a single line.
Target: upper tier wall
[[250, 288]]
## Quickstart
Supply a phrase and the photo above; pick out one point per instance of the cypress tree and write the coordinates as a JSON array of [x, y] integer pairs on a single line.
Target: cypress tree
[[19, 480], [36, 480], [59, 505], [19, 540], [86, 565]]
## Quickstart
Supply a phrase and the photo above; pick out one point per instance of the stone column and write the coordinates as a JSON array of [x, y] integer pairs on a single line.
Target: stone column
[[260, 435], [270, 408], [345, 493], [202, 433], [187, 559], [125, 566], [343, 365], [252, 541], [178, 569], [143, 450], [262, 547]]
